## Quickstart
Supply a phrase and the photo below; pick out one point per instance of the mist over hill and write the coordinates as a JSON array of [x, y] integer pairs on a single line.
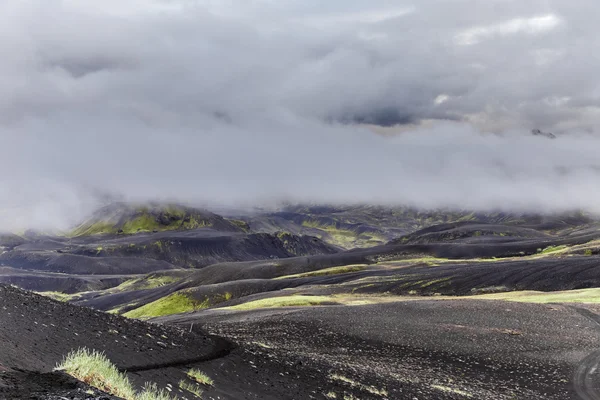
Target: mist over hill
[[346, 103]]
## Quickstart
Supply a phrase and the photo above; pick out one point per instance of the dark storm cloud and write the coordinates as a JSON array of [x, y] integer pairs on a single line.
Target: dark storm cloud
[[260, 101]]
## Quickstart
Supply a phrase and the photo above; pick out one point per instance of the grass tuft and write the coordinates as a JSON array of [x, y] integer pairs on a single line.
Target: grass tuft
[[95, 369], [371, 389], [200, 377], [151, 392], [191, 387]]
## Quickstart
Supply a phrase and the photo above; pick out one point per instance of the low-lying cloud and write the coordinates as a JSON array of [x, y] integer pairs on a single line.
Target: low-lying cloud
[[245, 103]]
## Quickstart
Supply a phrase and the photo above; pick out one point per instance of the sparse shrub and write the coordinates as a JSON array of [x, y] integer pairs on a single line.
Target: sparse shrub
[[200, 377], [151, 392], [191, 387], [95, 369], [588, 252]]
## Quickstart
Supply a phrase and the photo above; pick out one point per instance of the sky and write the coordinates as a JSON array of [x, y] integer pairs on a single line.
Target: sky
[[425, 103]]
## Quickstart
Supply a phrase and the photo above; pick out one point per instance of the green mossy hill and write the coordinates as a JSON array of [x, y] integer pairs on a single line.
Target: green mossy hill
[[175, 303], [128, 219]]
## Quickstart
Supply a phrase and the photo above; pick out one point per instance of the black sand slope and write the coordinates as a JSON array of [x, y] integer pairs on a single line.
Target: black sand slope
[[425, 349], [518, 264], [160, 251], [36, 333]]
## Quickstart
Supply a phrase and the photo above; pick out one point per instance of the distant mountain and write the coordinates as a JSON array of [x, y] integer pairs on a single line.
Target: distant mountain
[[354, 226]]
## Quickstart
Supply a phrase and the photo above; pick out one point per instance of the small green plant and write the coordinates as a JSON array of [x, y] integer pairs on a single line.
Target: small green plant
[[327, 271], [151, 392], [552, 249], [200, 377], [588, 252], [353, 383], [95, 369], [191, 387]]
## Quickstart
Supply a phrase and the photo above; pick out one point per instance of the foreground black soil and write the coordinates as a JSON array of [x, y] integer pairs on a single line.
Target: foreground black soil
[[453, 349], [424, 349], [37, 332]]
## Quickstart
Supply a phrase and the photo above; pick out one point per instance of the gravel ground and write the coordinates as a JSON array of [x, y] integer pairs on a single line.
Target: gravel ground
[[453, 349]]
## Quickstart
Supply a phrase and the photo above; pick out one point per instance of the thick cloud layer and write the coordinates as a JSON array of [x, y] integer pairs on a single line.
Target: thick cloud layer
[[246, 102]]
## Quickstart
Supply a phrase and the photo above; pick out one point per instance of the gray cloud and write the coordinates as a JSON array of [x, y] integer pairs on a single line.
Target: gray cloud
[[261, 101]]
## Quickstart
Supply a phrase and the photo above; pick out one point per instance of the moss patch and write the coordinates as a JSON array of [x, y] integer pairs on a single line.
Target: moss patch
[[529, 296], [93, 228], [328, 271], [176, 303], [148, 282], [57, 296], [144, 219], [345, 238], [288, 301]]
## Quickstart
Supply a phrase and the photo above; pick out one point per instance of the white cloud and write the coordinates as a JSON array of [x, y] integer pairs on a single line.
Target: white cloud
[[442, 98], [529, 26], [357, 17], [245, 101]]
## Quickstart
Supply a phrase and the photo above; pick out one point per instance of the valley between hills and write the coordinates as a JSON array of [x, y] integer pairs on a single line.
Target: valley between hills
[[306, 302]]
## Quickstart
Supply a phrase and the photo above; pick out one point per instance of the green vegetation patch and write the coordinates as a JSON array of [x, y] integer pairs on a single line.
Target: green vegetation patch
[[288, 301], [148, 282], [200, 377], [240, 224], [57, 296], [371, 389], [345, 238], [567, 296], [144, 223], [453, 390], [191, 387], [92, 228], [176, 303], [96, 370], [328, 271], [144, 219], [553, 249]]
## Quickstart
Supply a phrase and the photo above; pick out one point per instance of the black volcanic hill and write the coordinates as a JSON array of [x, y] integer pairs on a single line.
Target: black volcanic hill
[[38, 332], [122, 218], [122, 240], [353, 226]]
